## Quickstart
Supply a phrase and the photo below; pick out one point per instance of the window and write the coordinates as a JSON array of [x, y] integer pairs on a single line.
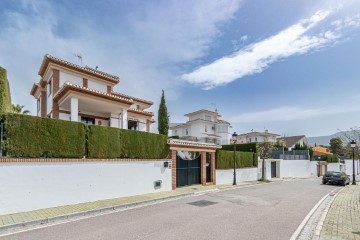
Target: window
[[88, 120], [249, 139], [132, 125], [255, 139], [187, 132], [205, 128], [138, 107], [50, 87]]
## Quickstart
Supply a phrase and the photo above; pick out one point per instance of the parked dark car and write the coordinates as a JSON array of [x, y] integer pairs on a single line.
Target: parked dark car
[[333, 177]]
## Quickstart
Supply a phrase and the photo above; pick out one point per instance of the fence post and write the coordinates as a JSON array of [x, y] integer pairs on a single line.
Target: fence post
[[1, 137]]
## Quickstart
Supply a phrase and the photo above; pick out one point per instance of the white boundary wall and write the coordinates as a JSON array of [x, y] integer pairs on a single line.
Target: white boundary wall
[[242, 174], [298, 168], [30, 186]]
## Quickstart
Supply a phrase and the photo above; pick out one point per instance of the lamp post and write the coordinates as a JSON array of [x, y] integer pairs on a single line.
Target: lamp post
[[353, 144], [234, 138], [319, 165]]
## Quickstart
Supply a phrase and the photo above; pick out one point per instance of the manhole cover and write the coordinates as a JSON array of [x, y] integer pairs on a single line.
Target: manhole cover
[[202, 203]]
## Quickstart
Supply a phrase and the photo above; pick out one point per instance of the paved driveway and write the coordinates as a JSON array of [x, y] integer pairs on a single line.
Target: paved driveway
[[268, 211]]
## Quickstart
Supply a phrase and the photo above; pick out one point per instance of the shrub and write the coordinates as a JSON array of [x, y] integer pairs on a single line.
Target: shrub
[[244, 147], [225, 159], [105, 142], [28, 136], [327, 158], [5, 97]]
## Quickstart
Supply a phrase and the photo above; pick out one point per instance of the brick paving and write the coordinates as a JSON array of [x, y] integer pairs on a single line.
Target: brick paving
[[342, 221], [43, 215]]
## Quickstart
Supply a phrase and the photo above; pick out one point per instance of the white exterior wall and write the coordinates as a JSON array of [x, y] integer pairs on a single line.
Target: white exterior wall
[[30, 186], [67, 77], [242, 174], [349, 167], [298, 168], [97, 86], [65, 116]]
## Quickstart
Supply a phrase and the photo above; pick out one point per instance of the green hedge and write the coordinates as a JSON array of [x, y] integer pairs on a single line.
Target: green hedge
[[244, 147], [327, 158], [225, 159], [5, 97], [105, 142], [28, 136]]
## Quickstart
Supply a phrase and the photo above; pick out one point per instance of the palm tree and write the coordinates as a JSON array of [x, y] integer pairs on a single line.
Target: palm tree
[[19, 109]]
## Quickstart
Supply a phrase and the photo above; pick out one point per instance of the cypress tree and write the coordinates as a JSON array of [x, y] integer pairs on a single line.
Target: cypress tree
[[163, 117], [5, 98]]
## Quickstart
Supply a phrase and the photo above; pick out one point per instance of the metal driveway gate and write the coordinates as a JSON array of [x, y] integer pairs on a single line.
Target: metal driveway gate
[[273, 169], [188, 171]]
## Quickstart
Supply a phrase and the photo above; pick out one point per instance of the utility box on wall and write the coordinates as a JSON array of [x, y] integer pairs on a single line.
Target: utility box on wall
[[167, 165], [157, 184]]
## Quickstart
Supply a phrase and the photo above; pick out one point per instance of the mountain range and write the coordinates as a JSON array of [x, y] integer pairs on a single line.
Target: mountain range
[[325, 140]]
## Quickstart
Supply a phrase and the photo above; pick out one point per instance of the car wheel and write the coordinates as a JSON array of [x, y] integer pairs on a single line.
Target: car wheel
[[343, 183], [324, 182]]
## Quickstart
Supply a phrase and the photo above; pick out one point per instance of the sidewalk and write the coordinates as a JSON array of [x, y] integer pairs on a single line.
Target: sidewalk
[[342, 221], [11, 222]]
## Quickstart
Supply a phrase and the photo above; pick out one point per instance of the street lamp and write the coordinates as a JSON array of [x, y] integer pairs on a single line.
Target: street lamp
[[353, 144], [234, 138], [319, 158]]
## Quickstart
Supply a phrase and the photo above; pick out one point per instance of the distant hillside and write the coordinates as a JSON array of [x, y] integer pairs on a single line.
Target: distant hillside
[[324, 140]]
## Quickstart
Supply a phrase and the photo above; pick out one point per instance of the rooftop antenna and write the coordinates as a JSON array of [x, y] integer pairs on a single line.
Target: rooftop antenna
[[214, 105], [79, 57], [96, 67]]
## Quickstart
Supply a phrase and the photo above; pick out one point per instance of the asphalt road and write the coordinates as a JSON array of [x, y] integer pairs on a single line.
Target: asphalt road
[[267, 211]]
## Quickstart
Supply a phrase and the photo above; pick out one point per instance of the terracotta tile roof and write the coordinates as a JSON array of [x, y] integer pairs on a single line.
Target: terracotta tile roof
[[71, 86], [134, 98], [141, 112], [202, 110], [48, 58], [290, 141], [222, 121]]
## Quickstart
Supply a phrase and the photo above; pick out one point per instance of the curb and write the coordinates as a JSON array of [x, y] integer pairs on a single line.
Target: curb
[[24, 226], [297, 232], [323, 216]]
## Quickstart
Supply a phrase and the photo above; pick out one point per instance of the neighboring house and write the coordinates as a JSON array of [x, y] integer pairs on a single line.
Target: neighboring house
[[203, 126], [82, 94], [290, 142], [320, 151], [257, 137]]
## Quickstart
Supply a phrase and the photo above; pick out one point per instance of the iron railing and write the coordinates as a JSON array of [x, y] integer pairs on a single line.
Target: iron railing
[[291, 155]]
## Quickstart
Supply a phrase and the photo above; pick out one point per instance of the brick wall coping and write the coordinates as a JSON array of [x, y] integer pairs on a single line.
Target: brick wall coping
[[193, 144], [58, 160]]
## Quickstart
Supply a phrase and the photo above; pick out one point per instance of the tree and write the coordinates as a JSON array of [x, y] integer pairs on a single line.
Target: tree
[[346, 137], [5, 97], [19, 109], [264, 149], [163, 117], [336, 145]]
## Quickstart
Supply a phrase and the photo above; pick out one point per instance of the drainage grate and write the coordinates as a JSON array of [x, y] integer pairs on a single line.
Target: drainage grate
[[202, 203]]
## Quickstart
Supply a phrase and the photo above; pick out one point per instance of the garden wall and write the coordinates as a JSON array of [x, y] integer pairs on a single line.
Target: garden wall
[[29, 184]]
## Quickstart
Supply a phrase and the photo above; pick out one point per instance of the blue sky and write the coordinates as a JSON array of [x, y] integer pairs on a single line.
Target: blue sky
[[291, 67]]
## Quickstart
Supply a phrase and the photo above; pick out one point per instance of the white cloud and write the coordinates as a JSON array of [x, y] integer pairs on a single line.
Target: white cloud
[[143, 47], [255, 58]]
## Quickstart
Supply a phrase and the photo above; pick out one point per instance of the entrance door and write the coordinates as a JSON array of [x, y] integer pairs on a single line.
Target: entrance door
[[273, 169], [188, 171], [208, 167]]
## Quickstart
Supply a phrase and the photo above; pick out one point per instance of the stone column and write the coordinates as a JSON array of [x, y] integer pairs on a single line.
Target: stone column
[[74, 109], [124, 119], [203, 168], [173, 169]]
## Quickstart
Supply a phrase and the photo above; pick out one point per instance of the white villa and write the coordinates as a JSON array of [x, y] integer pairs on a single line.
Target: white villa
[[257, 137], [82, 94], [203, 126]]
